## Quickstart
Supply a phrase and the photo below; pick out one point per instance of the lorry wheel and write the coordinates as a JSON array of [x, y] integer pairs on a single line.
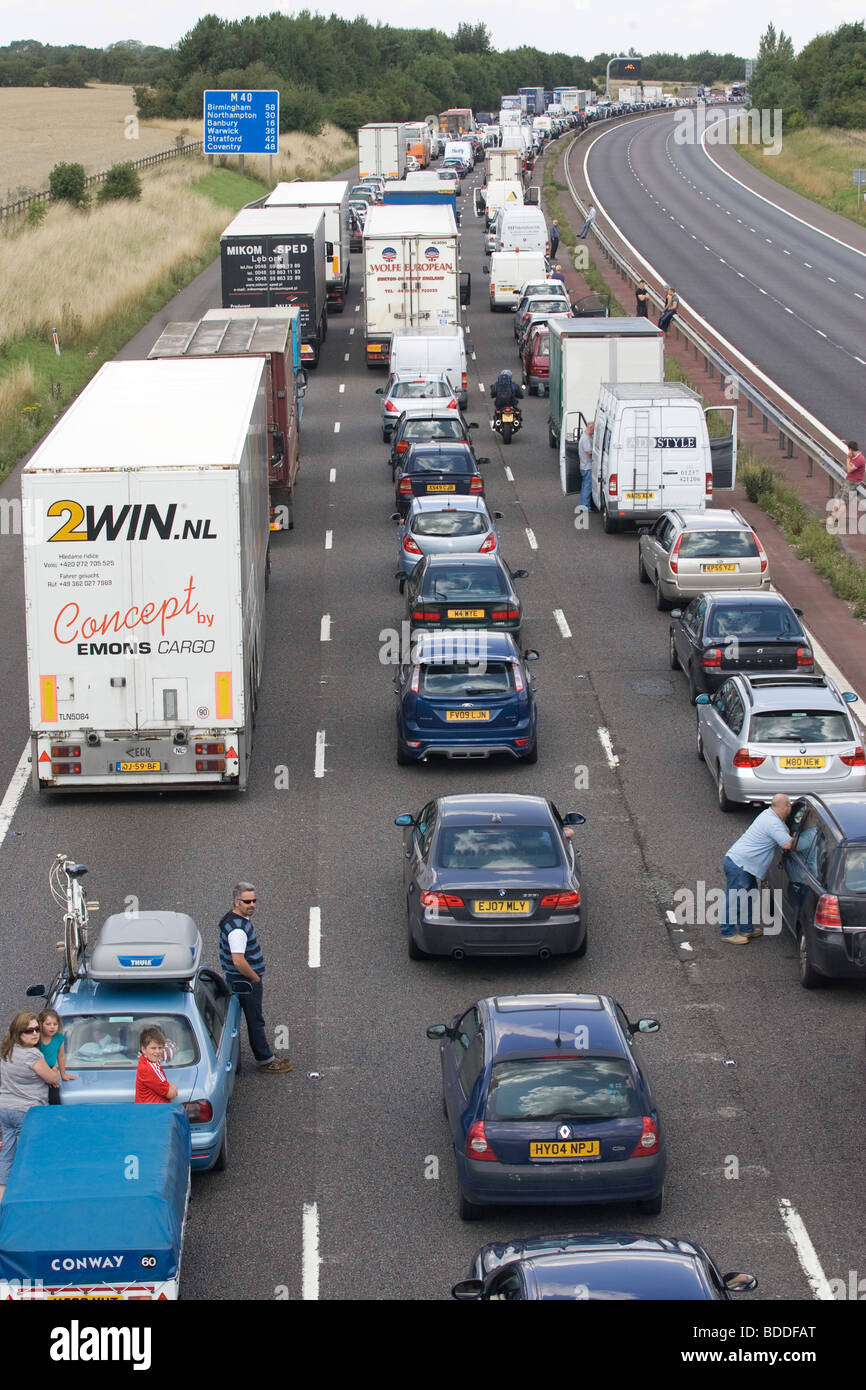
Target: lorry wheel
[[551, 438]]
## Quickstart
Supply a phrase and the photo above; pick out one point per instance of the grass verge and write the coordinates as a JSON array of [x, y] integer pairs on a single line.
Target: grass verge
[[817, 162], [591, 274], [805, 530]]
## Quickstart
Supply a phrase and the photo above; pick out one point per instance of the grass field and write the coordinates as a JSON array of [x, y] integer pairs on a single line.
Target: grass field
[[44, 126], [817, 162]]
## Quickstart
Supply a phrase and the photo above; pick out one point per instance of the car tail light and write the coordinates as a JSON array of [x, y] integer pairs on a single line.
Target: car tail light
[[415, 680], [674, 560], [477, 1146], [763, 554], [488, 545], [804, 657], [424, 615], [855, 759], [476, 484], [505, 615], [441, 900], [743, 758], [612, 485], [462, 381], [648, 1144], [452, 405], [411, 547], [492, 289], [712, 657], [827, 912], [389, 405], [709, 488], [519, 682], [198, 1111], [561, 900], [401, 447], [405, 486]]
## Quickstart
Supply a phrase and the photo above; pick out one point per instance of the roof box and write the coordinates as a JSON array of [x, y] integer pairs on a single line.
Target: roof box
[[146, 946]]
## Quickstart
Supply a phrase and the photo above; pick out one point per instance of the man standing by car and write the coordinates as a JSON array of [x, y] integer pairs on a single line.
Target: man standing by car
[[554, 238], [745, 865], [584, 454], [242, 958]]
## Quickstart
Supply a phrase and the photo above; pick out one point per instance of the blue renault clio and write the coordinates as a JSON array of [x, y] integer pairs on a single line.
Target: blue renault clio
[[548, 1104]]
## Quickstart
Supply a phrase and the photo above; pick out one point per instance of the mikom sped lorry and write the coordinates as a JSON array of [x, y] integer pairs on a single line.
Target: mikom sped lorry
[[146, 528]]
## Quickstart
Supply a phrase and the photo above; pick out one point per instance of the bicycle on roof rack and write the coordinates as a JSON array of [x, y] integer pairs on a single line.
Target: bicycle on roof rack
[[64, 881]]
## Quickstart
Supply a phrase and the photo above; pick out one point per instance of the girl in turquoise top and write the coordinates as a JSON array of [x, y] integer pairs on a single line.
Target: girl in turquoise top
[[51, 1042]]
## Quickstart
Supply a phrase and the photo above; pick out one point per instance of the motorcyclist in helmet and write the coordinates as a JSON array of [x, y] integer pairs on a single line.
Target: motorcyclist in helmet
[[504, 392]]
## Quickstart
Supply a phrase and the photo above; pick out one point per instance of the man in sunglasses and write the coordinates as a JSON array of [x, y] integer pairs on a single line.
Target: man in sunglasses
[[242, 958]]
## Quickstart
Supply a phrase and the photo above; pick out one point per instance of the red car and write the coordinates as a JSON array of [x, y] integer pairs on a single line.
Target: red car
[[536, 360]]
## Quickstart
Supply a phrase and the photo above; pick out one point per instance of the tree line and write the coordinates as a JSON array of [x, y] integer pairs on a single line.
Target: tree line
[[346, 71], [825, 84]]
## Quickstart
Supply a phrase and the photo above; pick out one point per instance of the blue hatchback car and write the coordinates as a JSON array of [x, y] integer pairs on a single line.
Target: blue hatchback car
[[467, 694], [598, 1266], [548, 1104], [145, 971]]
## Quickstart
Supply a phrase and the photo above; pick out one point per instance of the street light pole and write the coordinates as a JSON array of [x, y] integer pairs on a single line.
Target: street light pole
[[623, 57]]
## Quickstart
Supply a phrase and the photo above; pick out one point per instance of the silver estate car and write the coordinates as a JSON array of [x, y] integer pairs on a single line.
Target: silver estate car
[[688, 553], [760, 735]]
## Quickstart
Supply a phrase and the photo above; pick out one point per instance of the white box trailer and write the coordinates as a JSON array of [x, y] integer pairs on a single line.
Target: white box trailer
[[412, 274], [503, 164], [583, 354], [146, 533], [382, 150], [333, 200], [651, 451]]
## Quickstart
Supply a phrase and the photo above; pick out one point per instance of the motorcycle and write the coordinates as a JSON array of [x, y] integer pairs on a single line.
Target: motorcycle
[[507, 420]]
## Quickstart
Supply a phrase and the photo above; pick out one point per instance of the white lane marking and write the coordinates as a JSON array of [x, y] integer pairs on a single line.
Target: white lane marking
[[785, 253], [481, 387], [508, 473], [685, 946], [357, 308], [530, 536], [806, 1254], [858, 296], [332, 476], [861, 360], [342, 389], [607, 745], [351, 331], [807, 265], [561, 623], [319, 764], [314, 939], [329, 540], [830, 278], [14, 792], [325, 629], [336, 427], [310, 1257], [671, 916], [346, 358]]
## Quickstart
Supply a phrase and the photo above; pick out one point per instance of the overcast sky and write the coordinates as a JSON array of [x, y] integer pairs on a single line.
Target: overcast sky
[[575, 26]]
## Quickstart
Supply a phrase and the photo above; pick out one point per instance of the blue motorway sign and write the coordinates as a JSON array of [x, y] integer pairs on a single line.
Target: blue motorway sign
[[238, 122]]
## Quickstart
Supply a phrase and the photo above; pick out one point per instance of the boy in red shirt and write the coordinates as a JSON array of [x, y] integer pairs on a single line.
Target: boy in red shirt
[[152, 1086]]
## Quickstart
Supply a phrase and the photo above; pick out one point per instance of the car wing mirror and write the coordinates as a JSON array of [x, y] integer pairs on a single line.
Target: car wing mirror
[[520, 574], [799, 612], [646, 1025], [849, 697], [395, 516], [35, 991], [468, 1290], [437, 1030], [482, 461], [380, 391], [497, 516], [574, 818], [530, 654], [404, 819], [473, 425], [734, 1283], [676, 612], [702, 700]]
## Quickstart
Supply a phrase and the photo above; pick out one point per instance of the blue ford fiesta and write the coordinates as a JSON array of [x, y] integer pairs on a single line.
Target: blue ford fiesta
[[548, 1104], [466, 695]]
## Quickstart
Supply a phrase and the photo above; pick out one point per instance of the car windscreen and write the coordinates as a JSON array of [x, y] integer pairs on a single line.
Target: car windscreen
[[800, 726], [442, 461], [854, 870], [111, 1041], [473, 848], [753, 622], [544, 306], [466, 678], [454, 523], [445, 428], [421, 390], [570, 1088], [724, 545], [464, 582]]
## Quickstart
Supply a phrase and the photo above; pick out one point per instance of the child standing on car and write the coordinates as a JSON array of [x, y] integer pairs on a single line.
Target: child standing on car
[[51, 1045], [152, 1086]]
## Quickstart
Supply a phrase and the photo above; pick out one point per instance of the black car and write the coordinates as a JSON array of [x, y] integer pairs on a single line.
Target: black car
[[821, 886], [434, 470], [429, 429], [493, 874], [456, 591], [738, 630]]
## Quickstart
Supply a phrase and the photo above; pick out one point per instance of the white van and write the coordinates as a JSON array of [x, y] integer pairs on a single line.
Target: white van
[[509, 271], [426, 352], [524, 227], [651, 451]]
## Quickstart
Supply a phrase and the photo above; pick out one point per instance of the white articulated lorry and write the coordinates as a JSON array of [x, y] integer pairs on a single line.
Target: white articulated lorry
[[145, 564], [412, 275]]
